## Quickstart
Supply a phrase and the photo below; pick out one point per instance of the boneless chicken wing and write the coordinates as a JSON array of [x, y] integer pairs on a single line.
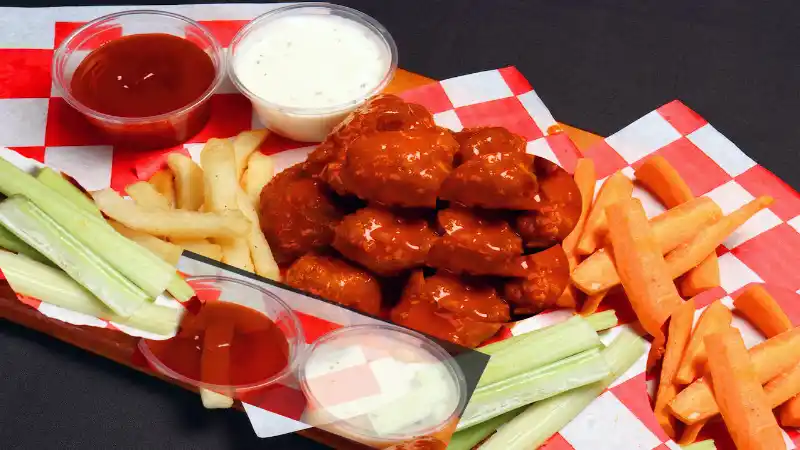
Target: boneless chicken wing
[[475, 245], [383, 242], [475, 142], [421, 309], [337, 281], [494, 180], [399, 168], [547, 275], [558, 212], [297, 214]]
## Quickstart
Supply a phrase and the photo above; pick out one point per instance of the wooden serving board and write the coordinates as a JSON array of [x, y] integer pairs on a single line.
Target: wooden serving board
[[121, 348]]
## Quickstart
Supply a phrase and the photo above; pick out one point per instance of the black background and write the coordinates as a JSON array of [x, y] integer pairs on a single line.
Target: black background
[[597, 65]]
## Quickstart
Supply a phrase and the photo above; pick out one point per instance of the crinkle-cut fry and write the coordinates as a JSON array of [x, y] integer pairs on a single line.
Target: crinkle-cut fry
[[174, 223], [189, 189], [641, 266], [770, 358], [616, 188], [662, 180], [762, 310], [714, 319], [742, 401], [146, 196], [688, 255], [244, 144], [671, 228], [678, 332], [164, 182], [169, 252]]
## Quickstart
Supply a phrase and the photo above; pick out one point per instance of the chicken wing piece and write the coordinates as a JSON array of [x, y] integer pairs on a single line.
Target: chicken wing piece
[[546, 278], [381, 113], [335, 280], [399, 168], [297, 214], [464, 298], [558, 212], [418, 311], [494, 181], [476, 245], [382, 241], [475, 142]]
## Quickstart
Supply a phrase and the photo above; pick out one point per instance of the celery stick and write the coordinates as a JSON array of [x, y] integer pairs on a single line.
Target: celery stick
[[541, 383], [50, 285], [541, 420], [58, 183], [41, 232], [11, 242], [467, 439], [538, 349], [142, 267], [599, 321], [708, 444]]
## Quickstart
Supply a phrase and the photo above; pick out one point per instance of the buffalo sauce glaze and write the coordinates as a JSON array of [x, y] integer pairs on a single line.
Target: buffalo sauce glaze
[[146, 75], [225, 344]]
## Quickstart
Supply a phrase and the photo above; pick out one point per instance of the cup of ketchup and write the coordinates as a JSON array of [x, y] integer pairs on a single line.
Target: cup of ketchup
[[142, 77], [242, 338]]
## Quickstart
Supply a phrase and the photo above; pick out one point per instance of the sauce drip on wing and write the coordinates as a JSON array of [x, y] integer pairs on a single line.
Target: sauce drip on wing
[[337, 281], [495, 181], [399, 168], [475, 245], [298, 214], [383, 242]]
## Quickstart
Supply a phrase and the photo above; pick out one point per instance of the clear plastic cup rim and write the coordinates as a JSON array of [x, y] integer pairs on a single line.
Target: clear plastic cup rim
[[352, 14], [296, 356], [425, 343], [216, 48]]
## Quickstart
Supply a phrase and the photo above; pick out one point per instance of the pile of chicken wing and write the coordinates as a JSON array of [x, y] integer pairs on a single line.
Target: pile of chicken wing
[[446, 233]]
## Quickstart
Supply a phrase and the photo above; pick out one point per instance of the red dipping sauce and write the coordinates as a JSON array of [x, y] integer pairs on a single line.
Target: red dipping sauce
[[144, 90], [225, 344]]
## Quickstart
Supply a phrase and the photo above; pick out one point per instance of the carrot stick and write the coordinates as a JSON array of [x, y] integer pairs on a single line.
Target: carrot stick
[[690, 432], [592, 303], [690, 254], [784, 387], [770, 358], [762, 311], [657, 349], [680, 328], [641, 266], [671, 228], [742, 401], [658, 176], [662, 180], [617, 187], [586, 179], [790, 413], [714, 319]]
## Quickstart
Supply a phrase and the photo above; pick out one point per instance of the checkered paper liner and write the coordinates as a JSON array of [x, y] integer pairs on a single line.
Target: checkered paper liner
[[36, 123]]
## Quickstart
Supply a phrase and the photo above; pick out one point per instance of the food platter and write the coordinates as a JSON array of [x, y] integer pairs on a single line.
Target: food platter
[[459, 209]]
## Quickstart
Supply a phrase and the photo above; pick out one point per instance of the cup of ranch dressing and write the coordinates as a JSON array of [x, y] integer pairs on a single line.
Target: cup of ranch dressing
[[305, 67]]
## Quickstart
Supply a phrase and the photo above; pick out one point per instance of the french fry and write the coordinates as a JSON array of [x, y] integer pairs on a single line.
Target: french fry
[[215, 361], [189, 182], [662, 180], [260, 170], [174, 223], [671, 228], [146, 196], [644, 274], [170, 253], [260, 252], [201, 247], [617, 187], [742, 401], [221, 186], [244, 145], [164, 182]]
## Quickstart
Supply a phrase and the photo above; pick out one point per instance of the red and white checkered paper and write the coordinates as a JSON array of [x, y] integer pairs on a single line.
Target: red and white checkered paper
[[37, 124]]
